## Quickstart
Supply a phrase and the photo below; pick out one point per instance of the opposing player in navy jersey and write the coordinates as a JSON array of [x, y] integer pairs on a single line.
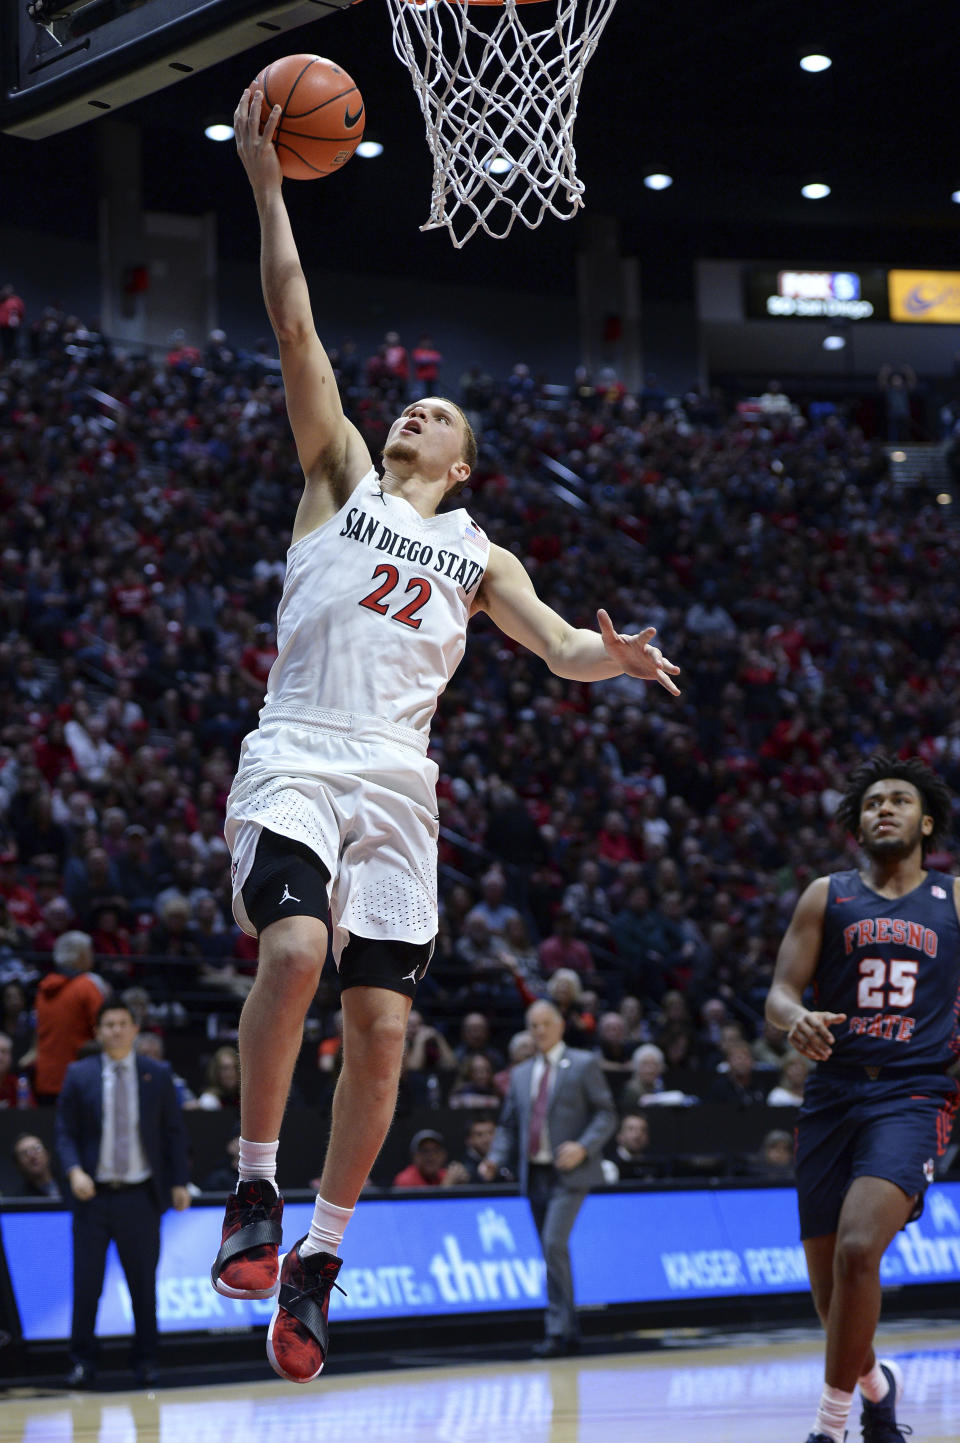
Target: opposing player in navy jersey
[[333, 810], [880, 948]]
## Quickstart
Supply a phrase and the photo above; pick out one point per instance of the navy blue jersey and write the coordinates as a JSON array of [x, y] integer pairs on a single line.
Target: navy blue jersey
[[893, 966]]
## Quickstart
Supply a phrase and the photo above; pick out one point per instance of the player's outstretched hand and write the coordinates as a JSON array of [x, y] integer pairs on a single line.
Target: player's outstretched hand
[[255, 148], [636, 656], [811, 1034]]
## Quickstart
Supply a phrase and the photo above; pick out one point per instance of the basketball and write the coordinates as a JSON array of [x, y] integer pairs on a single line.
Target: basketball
[[322, 121]]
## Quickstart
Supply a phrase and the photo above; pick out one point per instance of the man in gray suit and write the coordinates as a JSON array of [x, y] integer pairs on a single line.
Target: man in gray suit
[[556, 1118]]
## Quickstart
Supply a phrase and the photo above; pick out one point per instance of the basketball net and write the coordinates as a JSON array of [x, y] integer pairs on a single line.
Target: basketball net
[[499, 98]]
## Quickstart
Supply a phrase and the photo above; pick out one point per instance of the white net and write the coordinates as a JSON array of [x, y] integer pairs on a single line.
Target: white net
[[499, 96]]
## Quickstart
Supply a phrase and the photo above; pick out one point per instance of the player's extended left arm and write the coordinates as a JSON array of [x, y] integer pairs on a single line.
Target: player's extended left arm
[[508, 596]]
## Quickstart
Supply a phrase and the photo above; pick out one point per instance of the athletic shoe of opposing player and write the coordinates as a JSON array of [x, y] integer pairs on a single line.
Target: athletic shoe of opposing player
[[878, 1421], [298, 1335], [248, 1263]]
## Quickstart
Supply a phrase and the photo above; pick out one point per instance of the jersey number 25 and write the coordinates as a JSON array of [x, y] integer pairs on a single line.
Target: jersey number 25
[[877, 989]]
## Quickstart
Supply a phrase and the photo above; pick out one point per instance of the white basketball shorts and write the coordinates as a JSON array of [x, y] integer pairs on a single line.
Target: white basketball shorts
[[361, 793]]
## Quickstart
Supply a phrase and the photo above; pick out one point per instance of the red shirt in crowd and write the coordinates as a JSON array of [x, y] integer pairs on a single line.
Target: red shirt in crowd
[[67, 1008], [557, 952], [12, 312], [411, 1176], [426, 363]]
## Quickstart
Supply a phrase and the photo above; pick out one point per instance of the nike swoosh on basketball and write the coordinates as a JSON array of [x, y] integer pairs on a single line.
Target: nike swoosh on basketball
[[351, 120]]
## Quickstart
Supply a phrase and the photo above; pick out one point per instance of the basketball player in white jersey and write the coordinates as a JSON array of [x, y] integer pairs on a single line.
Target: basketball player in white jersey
[[333, 810]]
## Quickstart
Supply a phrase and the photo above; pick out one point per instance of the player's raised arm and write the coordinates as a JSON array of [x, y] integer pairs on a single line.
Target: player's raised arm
[[508, 597], [331, 451], [809, 1032]]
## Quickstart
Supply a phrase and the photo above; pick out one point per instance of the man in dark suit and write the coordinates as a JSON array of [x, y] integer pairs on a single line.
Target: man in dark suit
[[123, 1147], [556, 1118]]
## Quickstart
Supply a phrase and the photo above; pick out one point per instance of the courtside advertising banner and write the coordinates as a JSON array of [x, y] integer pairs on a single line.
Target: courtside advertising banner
[[404, 1258], [454, 1255], [629, 1248]]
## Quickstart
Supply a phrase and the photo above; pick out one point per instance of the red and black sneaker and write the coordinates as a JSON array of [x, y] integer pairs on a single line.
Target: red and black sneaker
[[298, 1333], [247, 1265]]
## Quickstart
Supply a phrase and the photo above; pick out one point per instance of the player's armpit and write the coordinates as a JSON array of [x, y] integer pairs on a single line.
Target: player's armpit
[[330, 485]]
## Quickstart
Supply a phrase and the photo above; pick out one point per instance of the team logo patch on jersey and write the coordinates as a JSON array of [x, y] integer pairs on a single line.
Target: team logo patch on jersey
[[938, 892], [928, 1169], [234, 869]]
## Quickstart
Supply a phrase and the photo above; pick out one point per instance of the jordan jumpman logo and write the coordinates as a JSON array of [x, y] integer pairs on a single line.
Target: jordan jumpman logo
[[287, 896]]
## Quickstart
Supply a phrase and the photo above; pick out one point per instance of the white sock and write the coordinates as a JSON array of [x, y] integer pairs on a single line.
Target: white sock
[[874, 1385], [327, 1228], [833, 1413], [259, 1160]]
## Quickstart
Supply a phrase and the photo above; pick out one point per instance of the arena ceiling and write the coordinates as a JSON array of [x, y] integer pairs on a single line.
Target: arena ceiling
[[712, 94]]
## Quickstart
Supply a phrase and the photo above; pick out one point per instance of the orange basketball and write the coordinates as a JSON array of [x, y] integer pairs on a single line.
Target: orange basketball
[[322, 121]]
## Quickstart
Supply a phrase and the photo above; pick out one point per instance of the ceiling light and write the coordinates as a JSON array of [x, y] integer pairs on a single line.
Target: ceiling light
[[658, 181], [898, 456], [944, 498], [834, 343], [813, 64], [218, 131], [499, 165], [816, 190], [369, 149], [956, 197]]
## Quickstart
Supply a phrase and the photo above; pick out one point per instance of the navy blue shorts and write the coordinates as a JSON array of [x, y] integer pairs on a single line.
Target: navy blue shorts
[[852, 1126]]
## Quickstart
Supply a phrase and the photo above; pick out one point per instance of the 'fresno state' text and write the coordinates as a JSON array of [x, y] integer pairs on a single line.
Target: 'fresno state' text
[[891, 1026], [873, 932]]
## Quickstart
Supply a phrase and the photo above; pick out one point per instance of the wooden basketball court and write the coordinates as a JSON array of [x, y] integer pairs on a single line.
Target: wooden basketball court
[[750, 1391]]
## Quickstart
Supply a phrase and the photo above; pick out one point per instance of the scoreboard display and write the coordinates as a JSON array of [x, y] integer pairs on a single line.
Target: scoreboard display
[[808, 294]]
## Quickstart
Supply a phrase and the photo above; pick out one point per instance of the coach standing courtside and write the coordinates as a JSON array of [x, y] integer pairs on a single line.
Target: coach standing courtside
[[123, 1147], [556, 1118]]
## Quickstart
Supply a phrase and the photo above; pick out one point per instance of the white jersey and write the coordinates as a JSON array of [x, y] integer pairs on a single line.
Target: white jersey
[[374, 611]]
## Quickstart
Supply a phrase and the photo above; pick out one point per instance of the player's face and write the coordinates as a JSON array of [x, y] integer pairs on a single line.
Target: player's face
[[892, 820], [427, 436]]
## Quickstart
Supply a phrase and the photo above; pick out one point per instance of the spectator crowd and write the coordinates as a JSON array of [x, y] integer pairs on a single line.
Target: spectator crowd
[[632, 857]]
